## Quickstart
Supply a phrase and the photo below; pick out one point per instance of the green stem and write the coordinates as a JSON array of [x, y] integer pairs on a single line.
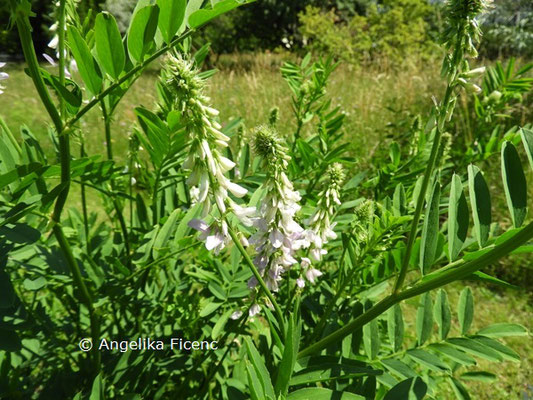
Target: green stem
[[441, 117], [10, 136], [120, 216], [127, 76], [61, 48], [458, 273], [259, 278], [24, 29], [84, 205], [107, 128]]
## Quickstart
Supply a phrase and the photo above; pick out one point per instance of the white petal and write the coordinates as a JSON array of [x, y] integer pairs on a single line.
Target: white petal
[[2, 64], [276, 238], [236, 190], [213, 241], [306, 262], [204, 187], [255, 309], [54, 42], [219, 135], [199, 225], [236, 315], [226, 163], [211, 111], [49, 59], [3, 75], [311, 274]]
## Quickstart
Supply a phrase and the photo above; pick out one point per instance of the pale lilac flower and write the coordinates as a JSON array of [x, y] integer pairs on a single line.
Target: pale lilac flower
[[215, 235], [300, 283], [311, 274], [254, 310], [278, 235], [53, 63], [236, 315]]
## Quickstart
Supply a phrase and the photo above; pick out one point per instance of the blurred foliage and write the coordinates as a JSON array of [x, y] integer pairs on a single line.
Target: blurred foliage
[[392, 30], [508, 29], [352, 29]]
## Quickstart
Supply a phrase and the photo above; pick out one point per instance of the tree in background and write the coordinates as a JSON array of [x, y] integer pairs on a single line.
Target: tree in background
[[508, 29]]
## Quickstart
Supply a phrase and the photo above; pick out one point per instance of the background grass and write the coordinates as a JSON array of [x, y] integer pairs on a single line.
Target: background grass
[[248, 87]]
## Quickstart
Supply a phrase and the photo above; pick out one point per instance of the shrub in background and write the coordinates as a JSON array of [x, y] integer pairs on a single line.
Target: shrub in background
[[392, 29]]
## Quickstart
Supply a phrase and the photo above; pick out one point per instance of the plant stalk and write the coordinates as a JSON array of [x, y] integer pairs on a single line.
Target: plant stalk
[[458, 273], [259, 278], [24, 30]]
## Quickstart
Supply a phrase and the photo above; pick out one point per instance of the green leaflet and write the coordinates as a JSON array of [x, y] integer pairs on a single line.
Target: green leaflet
[[288, 360], [502, 351], [502, 330], [458, 389], [87, 66], [398, 200], [254, 384], [527, 140], [427, 359], [330, 372], [142, 31], [165, 233], [260, 369], [453, 353], [443, 314], [200, 17], [458, 218], [412, 388], [97, 391], [465, 310], [109, 47], [171, 17], [481, 204], [371, 341], [480, 376], [399, 368], [475, 348], [514, 183], [322, 394], [424, 319], [430, 231], [219, 325], [395, 327]]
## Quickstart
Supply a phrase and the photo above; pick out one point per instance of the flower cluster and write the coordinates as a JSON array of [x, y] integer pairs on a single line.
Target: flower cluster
[[462, 24], [321, 228], [278, 235], [205, 161], [3, 76]]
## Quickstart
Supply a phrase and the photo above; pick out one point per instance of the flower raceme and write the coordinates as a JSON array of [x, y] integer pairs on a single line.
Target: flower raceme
[[320, 227], [205, 161], [278, 235]]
